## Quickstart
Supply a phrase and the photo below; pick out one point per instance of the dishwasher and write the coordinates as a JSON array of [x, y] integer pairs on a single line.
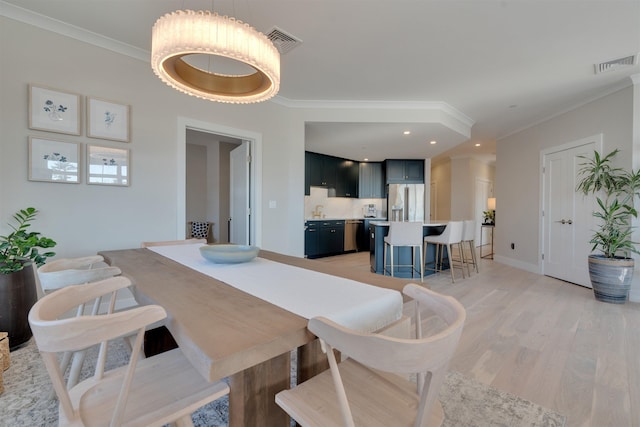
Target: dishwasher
[[350, 234]]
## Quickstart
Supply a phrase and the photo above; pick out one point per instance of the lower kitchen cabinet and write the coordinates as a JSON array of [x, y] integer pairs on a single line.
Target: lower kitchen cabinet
[[324, 238]]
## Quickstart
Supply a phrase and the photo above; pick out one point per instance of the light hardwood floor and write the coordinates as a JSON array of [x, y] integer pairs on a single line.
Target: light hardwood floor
[[545, 340]]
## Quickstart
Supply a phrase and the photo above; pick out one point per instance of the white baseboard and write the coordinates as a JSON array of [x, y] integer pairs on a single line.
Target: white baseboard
[[532, 268]]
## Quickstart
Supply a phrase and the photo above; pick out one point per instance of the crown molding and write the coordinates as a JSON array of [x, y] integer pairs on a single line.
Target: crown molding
[[41, 21], [377, 105], [44, 22]]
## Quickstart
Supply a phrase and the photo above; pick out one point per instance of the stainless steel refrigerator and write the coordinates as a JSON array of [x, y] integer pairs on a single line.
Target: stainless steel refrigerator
[[405, 202]]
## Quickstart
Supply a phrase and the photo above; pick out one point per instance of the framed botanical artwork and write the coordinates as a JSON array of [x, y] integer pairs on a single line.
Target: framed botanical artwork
[[53, 110], [107, 120], [54, 161], [108, 166]]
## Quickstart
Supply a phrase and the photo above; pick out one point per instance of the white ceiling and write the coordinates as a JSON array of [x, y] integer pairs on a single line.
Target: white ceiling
[[503, 65]]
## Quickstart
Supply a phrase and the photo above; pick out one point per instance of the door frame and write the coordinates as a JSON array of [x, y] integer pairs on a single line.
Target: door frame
[[598, 139], [255, 171]]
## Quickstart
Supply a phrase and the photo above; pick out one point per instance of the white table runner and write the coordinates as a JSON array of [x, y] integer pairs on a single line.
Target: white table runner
[[306, 293]]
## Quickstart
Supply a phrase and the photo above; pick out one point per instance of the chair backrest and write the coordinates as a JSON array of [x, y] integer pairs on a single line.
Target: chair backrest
[[469, 230], [452, 232], [405, 233], [54, 333], [173, 242], [73, 271], [427, 356]]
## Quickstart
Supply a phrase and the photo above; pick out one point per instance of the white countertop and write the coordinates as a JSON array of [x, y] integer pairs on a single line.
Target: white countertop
[[425, 224], [345, 219]]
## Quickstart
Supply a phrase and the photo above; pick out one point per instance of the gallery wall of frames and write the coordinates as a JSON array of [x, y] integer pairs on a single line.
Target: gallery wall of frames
[[62, 160]]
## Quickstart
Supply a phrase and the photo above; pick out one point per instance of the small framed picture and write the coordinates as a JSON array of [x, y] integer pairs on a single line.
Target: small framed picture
[[54, 161], [108, 166], [107, 120], [53, 110]]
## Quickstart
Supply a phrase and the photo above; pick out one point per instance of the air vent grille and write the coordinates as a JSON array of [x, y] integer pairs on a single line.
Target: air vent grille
[[282, 40], [616, 64]]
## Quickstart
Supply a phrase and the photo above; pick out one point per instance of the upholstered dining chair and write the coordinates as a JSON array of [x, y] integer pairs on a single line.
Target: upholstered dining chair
[[371, 386], [401, 234], [64, 272], [451, 236], [147, 392], [173, 242]]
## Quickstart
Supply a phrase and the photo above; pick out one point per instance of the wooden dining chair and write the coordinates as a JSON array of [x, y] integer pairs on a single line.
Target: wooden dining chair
[[371, 387], [65, 272], [146, 392], [173, 242]]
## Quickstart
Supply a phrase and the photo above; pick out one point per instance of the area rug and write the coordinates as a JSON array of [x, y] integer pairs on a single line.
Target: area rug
[[468, 403]]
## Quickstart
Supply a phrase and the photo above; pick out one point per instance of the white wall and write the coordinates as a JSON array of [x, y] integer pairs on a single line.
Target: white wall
[[441, 176], [87, 218], [518, 171], [84, 218]]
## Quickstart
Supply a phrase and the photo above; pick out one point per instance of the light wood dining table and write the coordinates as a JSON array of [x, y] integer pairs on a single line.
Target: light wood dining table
[[225, 332]]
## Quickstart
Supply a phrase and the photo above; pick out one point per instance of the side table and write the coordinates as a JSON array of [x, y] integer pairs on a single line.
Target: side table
[[491, 227]]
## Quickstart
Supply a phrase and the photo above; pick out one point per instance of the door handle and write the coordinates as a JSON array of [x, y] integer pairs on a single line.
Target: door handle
[[565, 221]]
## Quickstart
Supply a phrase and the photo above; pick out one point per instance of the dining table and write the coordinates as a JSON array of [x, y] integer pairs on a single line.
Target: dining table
[[244, 321]]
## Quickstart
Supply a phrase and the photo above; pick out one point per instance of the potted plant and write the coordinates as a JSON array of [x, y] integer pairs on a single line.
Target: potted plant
[[489, 217], [18, 251], [615, 189]]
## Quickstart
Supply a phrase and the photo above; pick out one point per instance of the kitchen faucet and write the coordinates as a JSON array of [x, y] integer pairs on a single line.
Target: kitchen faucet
[[317, 213]]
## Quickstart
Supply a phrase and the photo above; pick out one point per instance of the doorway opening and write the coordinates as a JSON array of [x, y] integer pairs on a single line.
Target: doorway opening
[[205, 152]]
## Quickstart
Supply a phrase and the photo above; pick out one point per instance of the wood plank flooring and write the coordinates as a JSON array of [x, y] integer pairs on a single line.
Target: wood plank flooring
[[545, 340]]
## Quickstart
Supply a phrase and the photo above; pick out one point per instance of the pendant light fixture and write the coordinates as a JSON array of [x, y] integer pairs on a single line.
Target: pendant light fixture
[[186, 34]]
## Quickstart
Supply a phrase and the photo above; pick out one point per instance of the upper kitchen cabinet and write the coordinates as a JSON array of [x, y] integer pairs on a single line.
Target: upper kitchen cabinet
[[348, 178], [323, 170], [405, 171], [371, 181]]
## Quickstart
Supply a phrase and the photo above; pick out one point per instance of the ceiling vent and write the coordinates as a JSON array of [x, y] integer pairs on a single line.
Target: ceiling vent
[[282, 40], [616, 64]]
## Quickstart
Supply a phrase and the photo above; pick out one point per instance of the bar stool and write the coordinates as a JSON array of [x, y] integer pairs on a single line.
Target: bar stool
[[452, 235], [468, 237], [405, 234]]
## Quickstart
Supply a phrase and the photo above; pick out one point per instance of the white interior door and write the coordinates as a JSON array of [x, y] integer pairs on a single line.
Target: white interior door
[[239, 183], [567, 216]]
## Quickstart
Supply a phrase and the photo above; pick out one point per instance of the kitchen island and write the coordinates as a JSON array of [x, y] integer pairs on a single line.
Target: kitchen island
[[402, 255]]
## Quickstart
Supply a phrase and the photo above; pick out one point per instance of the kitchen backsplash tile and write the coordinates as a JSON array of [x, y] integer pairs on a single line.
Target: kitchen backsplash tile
[[339, 207]]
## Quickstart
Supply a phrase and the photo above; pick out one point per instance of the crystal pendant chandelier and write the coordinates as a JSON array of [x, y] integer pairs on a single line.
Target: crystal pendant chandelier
[[183, 34]]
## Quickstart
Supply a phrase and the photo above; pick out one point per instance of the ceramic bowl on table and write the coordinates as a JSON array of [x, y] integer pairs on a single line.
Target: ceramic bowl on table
[[229, 253]]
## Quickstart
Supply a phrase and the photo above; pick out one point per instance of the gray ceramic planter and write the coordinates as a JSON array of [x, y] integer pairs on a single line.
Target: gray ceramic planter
[[611, 278]]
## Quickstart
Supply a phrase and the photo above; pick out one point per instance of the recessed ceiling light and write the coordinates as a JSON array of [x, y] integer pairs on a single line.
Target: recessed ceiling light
[[477, 145], [433, 142], [407, 132], [366, 160]]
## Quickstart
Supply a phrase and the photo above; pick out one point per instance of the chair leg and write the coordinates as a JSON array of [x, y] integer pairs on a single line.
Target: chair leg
[[474, 255], [449, 247], [391, 249], [421, 264], [384, 260]]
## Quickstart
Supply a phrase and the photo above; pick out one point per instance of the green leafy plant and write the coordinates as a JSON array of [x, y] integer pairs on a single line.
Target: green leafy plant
[[615, 189], [21, 245], [489, 216]]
